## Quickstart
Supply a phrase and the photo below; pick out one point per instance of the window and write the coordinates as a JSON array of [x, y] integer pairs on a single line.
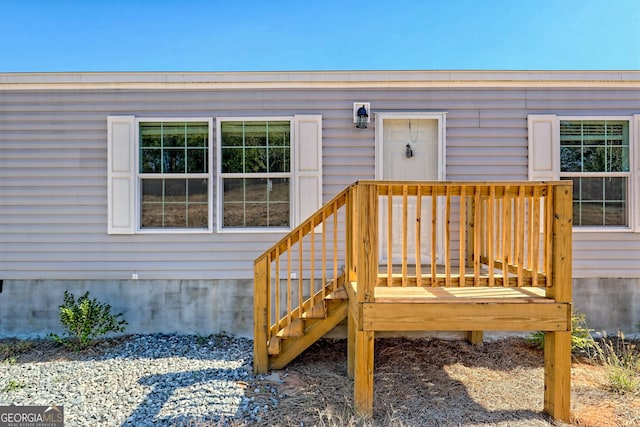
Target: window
[[594, 154], [597, 155], [255, 173], [269, 173], [173, 174]]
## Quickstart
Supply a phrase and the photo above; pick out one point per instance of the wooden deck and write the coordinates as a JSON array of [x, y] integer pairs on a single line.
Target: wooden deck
[[505, 265]]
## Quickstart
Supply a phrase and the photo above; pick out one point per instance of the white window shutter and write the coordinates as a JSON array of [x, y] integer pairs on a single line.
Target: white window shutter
[[308, 166], [635, 186], [544, 147], [121, 174]]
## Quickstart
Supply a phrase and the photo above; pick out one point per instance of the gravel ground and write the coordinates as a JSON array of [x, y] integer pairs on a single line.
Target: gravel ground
[[161, 380], [195, 381]]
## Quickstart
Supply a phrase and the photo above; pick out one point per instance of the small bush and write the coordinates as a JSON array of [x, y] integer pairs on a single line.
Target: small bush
[[86, 320], [581, 340], [622, 362]]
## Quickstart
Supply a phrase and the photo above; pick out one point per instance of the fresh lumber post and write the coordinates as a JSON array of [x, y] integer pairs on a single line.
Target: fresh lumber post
[[260, 315], [363, 373], [351, 338], [475, 337], [557, 345], [367, 262]]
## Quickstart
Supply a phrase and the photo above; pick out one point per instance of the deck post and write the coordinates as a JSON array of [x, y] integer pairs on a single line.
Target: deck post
[[367, 241], [352, 326], [260, 315], [367, 276], [363, 373], [557, 345]]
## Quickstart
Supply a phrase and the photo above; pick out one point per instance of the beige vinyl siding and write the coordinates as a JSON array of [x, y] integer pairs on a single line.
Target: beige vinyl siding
[[53, 170]]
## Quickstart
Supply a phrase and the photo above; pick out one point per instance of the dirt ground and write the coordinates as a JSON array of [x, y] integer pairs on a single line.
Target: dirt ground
[[443, 383]]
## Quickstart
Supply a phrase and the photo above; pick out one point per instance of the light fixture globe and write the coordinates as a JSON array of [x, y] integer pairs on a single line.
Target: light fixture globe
[[363, 117]]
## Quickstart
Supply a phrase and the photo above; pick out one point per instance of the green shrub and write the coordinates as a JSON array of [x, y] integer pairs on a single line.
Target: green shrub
[[86, 320], [581, 340]]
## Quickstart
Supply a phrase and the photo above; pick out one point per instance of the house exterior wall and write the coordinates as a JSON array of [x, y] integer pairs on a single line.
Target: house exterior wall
[[53, 159]]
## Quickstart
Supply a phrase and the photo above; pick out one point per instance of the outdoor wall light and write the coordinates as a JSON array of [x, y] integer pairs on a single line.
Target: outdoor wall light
[[408, 151], [361, 114]]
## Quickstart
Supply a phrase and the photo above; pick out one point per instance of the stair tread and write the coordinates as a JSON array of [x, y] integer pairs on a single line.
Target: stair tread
[[295, 329], [274, 346], [338, 294], [318, 311]]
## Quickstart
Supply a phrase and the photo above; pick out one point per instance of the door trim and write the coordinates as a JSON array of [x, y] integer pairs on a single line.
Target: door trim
[[441, 117]]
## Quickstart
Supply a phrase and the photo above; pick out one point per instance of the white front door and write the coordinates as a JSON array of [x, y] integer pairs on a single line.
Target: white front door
[[409, 147]]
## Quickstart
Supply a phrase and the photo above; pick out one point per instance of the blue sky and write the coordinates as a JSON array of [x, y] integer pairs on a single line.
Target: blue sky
[[271, 35]]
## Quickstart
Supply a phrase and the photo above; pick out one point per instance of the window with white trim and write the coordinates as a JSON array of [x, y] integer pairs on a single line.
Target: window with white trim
[[255, 173], [597, 155], [269, 173], [594, 154], [173, 174]]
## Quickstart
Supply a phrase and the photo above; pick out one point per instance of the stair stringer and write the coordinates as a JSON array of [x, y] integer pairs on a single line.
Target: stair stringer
[[314, 330]]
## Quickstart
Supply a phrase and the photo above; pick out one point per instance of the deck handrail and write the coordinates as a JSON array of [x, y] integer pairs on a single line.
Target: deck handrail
[[274, 288]]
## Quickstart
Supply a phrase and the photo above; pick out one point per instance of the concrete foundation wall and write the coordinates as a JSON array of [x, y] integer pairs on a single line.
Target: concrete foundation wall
[[610, 304], [204, 307]]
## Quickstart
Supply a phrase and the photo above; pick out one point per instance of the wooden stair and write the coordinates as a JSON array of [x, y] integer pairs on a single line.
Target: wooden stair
[[290, 341]]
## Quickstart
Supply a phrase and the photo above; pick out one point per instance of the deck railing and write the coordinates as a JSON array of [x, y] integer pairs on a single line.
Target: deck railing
[[299, 271], [381, 233]]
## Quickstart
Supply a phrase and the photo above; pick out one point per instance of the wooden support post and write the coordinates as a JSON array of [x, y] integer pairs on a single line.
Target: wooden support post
[[260, 316], [475, 337], [352, 326], [557, 345], [367, 262], [363, 373], [557, 375]]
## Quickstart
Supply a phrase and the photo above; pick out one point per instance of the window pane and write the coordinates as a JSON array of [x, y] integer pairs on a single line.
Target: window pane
[[600, 201], [197, 134], [196, 161], [175, 190], [255, 160], [594, 146], [197, 215], [198, 203], [593, 159], [173, 134], [150, 161], [231, 134], [150, 134], [173, 160], [591, 189], [279, 134], [174, 203], [258, 202], [232, 160], [618, 159], [175, 215], [255, 134], [152, 203], [279, 159], [570, 159]]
